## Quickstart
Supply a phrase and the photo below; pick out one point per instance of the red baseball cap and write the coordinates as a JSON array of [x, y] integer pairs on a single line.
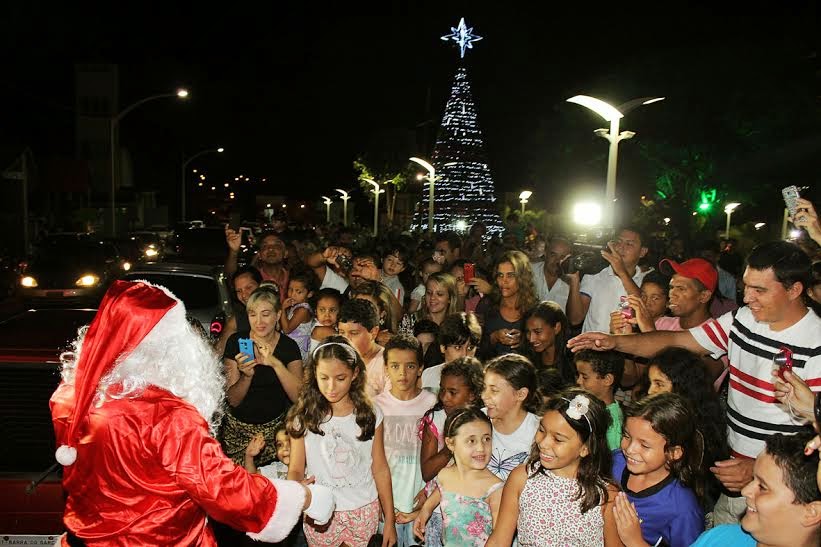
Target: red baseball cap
[[695, 268]]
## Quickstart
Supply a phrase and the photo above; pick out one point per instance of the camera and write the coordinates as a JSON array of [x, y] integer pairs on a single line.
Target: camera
[[587, 262], [344, 262]]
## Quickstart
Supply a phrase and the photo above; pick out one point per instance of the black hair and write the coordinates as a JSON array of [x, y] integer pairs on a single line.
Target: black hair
[[550, 382], [593, 474], [520, 373], [359, 311], [371, 254], [551, 313], [789, 263], [452, 238], [306, 276], [643, 239], [690, 379], [469, 369], [404, 342], [460, 328], [247, 270], [798, 469], [425, 326], [401, 251], [329, 292], [671, 416], [463, 416], [603, 363], [657, 278]]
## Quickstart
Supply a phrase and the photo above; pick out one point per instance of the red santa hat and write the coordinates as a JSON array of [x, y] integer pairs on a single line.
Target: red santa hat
[[127, 313]]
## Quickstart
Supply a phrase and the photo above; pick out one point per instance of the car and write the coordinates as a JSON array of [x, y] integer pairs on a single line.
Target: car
[[149, 246], [30, 346], [201, 288], [71, 271]]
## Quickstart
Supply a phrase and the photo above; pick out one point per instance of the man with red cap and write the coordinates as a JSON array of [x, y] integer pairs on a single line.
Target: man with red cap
[[141, 395]]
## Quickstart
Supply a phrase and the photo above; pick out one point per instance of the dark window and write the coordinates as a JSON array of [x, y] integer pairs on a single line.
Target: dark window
[[195, 292]]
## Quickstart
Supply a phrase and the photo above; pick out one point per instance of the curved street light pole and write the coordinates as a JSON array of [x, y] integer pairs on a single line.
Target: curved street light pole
[[612, 115], [327, 202], [345, 198], [523, 197], [185, 164], [114, 122], [376, 191], [729, 208], [431, 180]]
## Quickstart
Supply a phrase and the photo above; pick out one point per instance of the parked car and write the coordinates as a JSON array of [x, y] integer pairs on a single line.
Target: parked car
[[71, 271], [30, 346], [201, 288]]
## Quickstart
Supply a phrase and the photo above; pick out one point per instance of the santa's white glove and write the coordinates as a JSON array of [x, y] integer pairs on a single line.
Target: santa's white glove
[[322, 504]]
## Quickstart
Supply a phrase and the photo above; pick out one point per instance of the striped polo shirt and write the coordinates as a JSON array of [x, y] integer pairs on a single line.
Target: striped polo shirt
[[753, 413]]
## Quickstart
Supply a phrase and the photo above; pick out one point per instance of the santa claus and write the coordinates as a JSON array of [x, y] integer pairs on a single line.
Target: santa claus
[[134, 416]]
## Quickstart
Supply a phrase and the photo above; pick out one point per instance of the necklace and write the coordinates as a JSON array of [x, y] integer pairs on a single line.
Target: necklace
[[264, 343]]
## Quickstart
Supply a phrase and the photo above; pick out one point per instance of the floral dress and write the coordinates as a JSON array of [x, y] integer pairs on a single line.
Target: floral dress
[[466, 521]]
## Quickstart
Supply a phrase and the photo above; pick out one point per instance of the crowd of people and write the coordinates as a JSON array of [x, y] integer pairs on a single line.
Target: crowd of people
[[458, 391]]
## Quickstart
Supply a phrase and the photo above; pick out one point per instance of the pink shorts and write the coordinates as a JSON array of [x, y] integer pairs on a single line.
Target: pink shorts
[[353, 528]]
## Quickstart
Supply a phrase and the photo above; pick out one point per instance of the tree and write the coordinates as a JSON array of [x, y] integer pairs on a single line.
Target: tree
[[393, 183]]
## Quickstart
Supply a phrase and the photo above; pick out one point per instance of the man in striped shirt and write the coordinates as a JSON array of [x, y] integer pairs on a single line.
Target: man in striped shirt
[[775, 317]]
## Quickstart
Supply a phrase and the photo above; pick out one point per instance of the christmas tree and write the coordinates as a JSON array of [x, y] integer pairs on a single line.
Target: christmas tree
[[463, 192]]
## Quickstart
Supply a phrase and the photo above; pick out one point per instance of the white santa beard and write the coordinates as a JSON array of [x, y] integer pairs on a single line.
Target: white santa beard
[[173, 357]]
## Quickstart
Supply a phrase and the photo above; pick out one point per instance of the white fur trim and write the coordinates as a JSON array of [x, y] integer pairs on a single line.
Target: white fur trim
[[66, 455], [290, 500]]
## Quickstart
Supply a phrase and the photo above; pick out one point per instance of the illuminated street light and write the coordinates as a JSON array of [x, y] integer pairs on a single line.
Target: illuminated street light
[[759, 225], [587, 214], [345, 198], [523, 197], [114, 124], [376, 191], [327, 202], [729, 208], [612, 115], [431, 178], [185, 163]]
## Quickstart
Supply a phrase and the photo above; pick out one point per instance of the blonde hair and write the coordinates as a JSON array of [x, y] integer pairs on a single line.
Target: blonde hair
[[449, 283], [264, 294]]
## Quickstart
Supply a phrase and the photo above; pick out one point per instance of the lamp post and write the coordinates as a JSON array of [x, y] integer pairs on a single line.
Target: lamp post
[[431, 178], [523, 197], [185, 163], [729, 208], [612, 115], [327, 202], [113, 126], [376, 191], [345, 198]]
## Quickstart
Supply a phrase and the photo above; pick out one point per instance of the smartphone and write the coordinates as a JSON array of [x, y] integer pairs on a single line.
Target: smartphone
[[791, 196], [246, 346], [625, 309], [234, 221], [783, 360], [470, 272]]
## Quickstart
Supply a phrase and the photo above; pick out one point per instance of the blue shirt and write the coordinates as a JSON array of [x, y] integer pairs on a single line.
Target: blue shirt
[[726, 535], [668, 510]]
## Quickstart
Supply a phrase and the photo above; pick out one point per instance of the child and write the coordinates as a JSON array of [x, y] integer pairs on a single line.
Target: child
[[658, 471], [600, 373], [563, 494], [359, 323], [467, 493], [337, 437], [394, 264], [297, 321], [277, 469], [403, 406], [510, 399], [428, 267], [460, 386], [328, 303], [459, 336]]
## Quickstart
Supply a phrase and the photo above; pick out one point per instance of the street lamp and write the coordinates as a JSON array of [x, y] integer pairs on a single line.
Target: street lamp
[[523, 197], [185, 163], [587, 214], [345, 198], [431, 178], [328, 202], [612, 115], [113, 126], [729, 208], [376, 191]]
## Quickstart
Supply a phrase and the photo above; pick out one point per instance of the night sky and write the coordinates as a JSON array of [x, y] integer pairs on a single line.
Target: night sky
[[295, 95]]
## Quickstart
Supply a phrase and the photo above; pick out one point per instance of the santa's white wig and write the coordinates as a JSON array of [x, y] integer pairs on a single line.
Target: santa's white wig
[[173, 356]]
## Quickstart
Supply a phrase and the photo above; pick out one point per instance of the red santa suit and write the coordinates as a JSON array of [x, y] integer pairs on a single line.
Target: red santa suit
[[141, 467]]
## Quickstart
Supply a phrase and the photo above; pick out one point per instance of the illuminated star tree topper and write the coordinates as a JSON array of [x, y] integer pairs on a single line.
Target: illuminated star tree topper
[[463, 36]]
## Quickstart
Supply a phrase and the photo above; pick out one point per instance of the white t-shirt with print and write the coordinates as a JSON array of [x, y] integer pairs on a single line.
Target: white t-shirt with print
[[340, 461], [509, 451]]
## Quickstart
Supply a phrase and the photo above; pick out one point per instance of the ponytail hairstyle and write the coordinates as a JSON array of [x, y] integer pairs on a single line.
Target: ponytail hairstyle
[[671, 416], [520, 373], [312, 409], [589, 418]]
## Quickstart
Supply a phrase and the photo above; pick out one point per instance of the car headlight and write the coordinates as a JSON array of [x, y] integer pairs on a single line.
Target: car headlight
[[88, 280], [126, 266], [28, 282], [150, 253]]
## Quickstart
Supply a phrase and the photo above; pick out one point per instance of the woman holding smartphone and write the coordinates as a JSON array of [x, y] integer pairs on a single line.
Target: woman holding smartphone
[[512, 297]]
